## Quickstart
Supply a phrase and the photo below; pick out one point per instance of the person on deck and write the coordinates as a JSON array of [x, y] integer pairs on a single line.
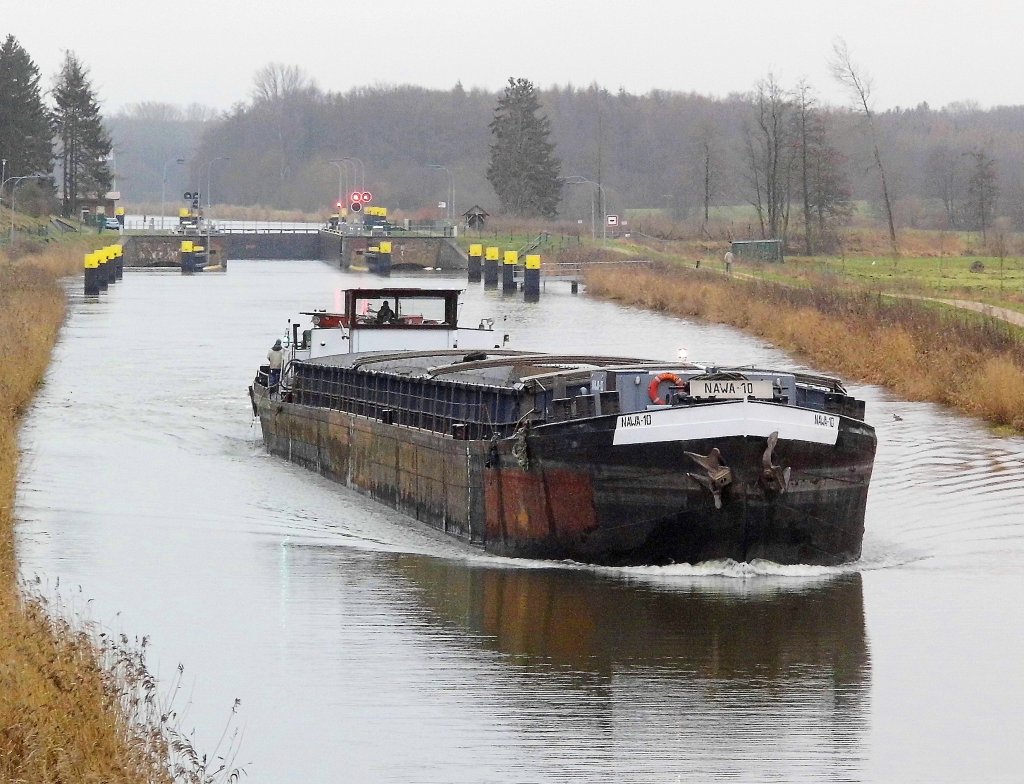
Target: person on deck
[[275, 359], [385, 315]]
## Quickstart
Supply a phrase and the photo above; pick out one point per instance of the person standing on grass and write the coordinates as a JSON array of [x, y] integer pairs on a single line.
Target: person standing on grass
[[275, 359]]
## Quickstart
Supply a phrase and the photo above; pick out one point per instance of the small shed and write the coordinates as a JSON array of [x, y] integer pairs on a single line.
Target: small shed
[[91, 205], [476, 216], [757, 250]]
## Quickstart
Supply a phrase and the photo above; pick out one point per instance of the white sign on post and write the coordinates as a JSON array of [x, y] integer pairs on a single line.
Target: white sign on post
[[612, 220]]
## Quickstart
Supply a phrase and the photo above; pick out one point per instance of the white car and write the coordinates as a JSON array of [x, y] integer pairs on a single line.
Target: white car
[[112, 223]]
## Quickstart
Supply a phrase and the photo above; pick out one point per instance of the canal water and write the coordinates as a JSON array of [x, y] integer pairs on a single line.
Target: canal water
[[366, 648]]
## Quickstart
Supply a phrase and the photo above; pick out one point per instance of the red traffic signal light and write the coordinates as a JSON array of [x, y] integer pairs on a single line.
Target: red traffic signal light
[[356, 206], [355, 197]]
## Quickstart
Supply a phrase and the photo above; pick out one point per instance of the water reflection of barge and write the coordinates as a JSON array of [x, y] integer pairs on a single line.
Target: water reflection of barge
[[597, 459], [769, 631]]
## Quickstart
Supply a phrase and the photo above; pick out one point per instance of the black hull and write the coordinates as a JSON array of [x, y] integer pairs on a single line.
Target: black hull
[[651, 509], [566, 491]]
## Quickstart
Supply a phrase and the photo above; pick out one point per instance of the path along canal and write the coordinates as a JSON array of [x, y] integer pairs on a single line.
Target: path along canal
[[366, 648]]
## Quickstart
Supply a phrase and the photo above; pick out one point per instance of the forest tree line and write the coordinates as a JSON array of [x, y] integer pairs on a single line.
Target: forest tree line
[[958, 168], [803, 167]]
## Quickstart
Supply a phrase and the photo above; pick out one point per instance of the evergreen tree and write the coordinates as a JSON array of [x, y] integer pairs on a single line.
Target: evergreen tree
[[25, 139], [523, 169], [83, 142]]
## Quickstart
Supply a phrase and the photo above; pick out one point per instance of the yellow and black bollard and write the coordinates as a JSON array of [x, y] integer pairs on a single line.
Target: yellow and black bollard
[[101, 257], [384, 258], [118, 261], [111, 264], [92, 274], [508, 272], [475, 262], [531, 279], [186, 257], [491, 268]]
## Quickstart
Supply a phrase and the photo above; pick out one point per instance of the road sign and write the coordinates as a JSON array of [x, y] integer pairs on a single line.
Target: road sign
[[612, 220]]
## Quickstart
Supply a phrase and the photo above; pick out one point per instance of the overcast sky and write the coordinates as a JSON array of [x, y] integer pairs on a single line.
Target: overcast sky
[[207, 52]]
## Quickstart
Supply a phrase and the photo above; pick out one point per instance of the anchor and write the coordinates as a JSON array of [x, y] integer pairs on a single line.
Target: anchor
[[718, 476], [773, 479]]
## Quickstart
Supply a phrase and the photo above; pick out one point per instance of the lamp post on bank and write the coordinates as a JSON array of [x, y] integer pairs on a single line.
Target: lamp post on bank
[[163, 188], [337, 163], [14, 189], [361, 171], [578, 180], [209, 168], [451, 190]]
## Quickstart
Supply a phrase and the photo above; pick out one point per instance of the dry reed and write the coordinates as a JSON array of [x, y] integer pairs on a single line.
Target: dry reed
[[970, 362], [75, 704]]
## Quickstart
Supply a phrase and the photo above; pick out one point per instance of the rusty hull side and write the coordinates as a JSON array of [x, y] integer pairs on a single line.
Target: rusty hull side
[[582, 498], [422, 474]]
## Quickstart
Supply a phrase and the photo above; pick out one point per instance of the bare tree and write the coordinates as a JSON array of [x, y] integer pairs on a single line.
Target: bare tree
[[982, 191], [770, 152], [708, 155], [276, 81], [944, 182], [804, 112], [283, 99], [824, 188], [859, 85]]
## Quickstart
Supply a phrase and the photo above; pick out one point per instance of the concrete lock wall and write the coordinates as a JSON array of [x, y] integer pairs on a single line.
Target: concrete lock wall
[[419, 252], [162, 250]]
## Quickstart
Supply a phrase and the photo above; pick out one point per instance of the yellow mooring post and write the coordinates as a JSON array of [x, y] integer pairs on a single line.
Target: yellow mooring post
[[491, 268], [508, 272], [111, 264], [476, 253], [91, 272], [384, 257], [186, 257], [101, 257], [531, 279], [118, 262]]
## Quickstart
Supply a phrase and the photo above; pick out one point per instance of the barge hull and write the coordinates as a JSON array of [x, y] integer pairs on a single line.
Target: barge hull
[[571, 495]]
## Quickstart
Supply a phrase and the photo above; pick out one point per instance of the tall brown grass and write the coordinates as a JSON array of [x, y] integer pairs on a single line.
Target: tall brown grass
[[76, 705], [921, 350]]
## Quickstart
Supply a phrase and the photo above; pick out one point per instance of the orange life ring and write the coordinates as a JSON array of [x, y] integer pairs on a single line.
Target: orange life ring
[[653, 389]]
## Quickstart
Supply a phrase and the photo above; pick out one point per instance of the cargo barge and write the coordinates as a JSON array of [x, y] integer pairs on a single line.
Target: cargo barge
[[607, 460]]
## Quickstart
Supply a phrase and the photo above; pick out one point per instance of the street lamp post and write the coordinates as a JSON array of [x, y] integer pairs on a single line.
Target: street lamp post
[[209, 169], [451, 190], [163, 188], [14, 188], [342, 190], [361, 171], [577, 180]]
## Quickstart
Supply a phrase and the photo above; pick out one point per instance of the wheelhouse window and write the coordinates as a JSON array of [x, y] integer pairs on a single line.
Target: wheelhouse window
[[401, 311]]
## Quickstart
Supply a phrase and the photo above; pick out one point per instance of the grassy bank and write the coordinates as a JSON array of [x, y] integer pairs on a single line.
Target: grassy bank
[[922, 351], [75, 705]]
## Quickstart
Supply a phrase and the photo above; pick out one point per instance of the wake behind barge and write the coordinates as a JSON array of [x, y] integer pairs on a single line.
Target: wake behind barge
[[608, 460]]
